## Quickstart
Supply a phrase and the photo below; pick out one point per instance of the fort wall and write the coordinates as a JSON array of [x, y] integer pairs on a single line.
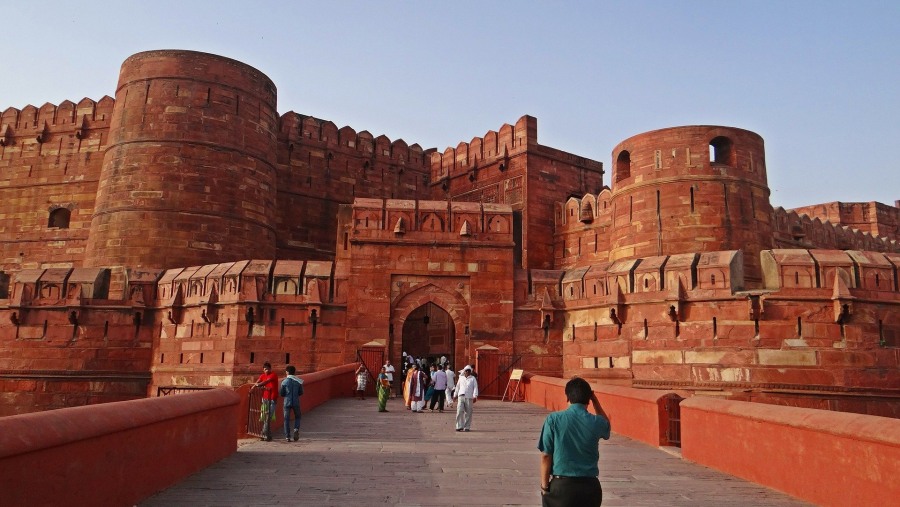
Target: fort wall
[[190, 162], [875, 218], [508, 166], [690, 189], [824, 325], [185, 233], [321, 167], [50, 160]]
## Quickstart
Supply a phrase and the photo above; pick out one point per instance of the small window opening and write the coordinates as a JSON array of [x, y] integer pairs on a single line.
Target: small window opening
[[287, 358], [623, 166], [720, 151], [59, 218], [252, 357]]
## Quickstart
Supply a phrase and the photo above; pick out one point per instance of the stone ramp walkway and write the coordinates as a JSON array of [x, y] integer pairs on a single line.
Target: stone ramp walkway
[[349, 454]]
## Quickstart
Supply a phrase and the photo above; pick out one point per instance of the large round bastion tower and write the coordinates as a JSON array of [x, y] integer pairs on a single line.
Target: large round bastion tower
[[188, 177], [691, 189]]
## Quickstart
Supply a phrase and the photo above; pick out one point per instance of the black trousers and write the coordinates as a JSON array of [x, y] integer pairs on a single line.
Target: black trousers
[[438, 397], [573, 492]]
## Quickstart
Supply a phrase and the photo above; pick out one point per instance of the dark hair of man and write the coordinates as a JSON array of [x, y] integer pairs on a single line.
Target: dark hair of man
[[267, 365], [291, 369], [578, 391]]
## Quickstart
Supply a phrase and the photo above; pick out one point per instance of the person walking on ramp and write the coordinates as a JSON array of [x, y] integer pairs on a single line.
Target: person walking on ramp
[[291, 390], [569, 445]]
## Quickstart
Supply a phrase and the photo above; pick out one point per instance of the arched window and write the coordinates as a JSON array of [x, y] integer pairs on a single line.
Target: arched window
[[720, 151], [59, 218], [623, 165]]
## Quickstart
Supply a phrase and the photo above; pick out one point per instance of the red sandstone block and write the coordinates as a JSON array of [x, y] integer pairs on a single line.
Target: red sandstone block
[[670, 372], [829, 358], [796, 376]]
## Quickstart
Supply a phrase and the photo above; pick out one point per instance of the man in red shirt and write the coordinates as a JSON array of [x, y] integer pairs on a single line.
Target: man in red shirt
[[269, 383]]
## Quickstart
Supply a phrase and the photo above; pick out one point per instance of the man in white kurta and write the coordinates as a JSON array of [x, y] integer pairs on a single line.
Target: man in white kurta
[[451, 384], [465, 396]]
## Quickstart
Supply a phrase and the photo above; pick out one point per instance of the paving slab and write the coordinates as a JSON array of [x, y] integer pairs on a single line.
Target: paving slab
[[349, 454]]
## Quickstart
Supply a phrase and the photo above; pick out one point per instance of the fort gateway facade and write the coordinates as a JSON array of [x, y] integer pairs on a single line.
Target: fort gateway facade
[[185, 232]]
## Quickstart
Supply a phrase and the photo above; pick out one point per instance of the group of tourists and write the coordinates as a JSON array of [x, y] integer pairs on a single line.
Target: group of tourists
[[568, 442]]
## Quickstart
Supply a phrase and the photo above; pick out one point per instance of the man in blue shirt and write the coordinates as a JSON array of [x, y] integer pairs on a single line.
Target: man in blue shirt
[[569, 444]]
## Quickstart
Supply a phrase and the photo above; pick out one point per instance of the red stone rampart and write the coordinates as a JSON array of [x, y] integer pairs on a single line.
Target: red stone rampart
[[827, 458], [510, 167], [493, 150], [682, 322], [875, 218], [793, 229], [50, 162], [321, 167], [189, 172], [634, 413], [669, 197], [115, 453]]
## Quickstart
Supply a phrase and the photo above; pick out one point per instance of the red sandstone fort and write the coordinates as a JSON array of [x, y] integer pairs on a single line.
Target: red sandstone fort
[[185, 232]]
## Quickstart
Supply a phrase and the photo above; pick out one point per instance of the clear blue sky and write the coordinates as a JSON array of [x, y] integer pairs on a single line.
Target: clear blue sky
[[819, 80]]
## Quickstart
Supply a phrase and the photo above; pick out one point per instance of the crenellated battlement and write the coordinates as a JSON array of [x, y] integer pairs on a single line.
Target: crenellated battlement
[[50, 120], [795, 230], [298, 128], [494, 147], [408, 220]]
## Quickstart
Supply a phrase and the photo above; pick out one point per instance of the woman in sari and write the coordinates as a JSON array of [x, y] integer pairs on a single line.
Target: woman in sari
[[383, 386], [406, 397]]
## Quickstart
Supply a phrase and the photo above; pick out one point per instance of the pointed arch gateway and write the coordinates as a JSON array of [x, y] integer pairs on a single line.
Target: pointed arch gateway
[[443, 332]]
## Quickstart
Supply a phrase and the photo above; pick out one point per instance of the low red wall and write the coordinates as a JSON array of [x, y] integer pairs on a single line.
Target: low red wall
[[318, 387], [115, 453], [828, 458], [634, 413]]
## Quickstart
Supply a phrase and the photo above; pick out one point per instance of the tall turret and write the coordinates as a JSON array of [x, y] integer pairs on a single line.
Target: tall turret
[[188, 177], [691, 189]]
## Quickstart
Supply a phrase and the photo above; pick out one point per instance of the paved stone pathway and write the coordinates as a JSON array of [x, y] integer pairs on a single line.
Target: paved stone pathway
[[350, 455]]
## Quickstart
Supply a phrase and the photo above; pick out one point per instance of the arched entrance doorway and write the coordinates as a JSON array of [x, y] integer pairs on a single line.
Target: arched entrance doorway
[[429, 332]]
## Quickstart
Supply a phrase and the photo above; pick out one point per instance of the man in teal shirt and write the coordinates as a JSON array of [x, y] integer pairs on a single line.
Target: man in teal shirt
[[569, 444]]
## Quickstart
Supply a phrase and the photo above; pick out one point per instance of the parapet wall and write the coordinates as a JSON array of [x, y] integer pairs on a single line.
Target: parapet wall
[[827, 322], [826, 458], [875, 218], [122, 452], [50, 160], [793, 229], [321, 167]]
